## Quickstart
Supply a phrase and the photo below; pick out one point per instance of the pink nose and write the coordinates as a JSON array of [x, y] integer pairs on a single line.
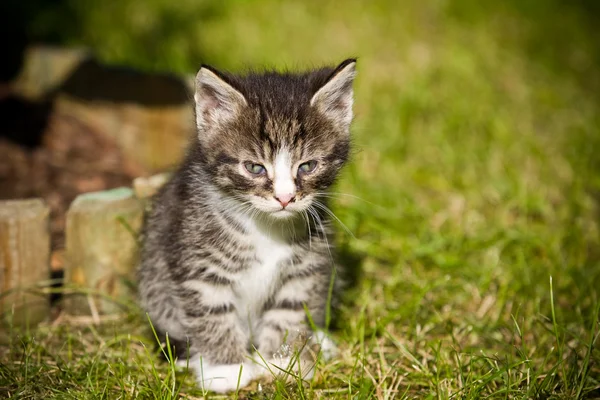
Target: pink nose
[[285, 199]]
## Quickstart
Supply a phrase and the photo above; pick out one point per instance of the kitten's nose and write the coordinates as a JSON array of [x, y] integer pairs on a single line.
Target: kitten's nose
[[285, 199]]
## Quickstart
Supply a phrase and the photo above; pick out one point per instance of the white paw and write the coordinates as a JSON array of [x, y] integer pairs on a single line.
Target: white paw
[[224, 377], [291, 366], [286, 362], [328, 347], [182, 363]]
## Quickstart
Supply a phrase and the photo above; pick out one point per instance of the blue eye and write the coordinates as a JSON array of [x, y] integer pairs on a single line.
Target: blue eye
[[307, 167], [254, 169]]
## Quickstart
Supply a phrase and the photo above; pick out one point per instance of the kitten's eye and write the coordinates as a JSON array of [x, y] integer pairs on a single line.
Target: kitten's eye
[[254, 169], [307, 167]]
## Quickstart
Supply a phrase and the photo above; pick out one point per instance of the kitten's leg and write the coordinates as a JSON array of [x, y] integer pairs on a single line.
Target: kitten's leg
[[218, 343], [163, 309], [284, 329]]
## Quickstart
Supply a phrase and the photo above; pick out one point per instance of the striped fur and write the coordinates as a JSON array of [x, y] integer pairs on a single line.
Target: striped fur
[[227, 268]]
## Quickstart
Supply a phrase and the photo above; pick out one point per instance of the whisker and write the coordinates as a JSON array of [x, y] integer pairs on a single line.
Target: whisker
[[335, 195], [328, 211], [305, 217], [315, 215]]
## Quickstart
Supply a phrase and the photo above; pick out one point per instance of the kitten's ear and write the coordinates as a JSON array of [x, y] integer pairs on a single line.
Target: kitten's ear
[[216, 100], [335, 97]]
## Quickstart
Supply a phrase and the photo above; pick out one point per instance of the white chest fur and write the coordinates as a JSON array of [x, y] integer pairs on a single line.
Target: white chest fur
[[258, 282]]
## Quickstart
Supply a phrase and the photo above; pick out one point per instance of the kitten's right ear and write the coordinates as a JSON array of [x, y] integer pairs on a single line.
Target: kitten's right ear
[[216, 100], [334, 99]]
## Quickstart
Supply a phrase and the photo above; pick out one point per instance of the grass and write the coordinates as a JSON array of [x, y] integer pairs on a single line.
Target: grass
[[476, 245]]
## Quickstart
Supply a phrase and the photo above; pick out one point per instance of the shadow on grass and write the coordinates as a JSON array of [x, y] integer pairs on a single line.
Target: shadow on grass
[[350, 262]]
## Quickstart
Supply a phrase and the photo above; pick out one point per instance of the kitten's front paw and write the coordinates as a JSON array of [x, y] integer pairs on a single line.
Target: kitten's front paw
[[326, 344], [182, 363], [223, 378], [290, 367], [287, 361]]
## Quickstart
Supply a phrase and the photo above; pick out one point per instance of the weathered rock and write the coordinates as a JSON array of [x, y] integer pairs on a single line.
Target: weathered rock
[[102, 250], [148, 115], [153, 137], [145, 188], [24, 261], [45, 69]]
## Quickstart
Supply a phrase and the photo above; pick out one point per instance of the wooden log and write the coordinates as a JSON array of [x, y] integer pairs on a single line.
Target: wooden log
[[24, 261], [102, 251]]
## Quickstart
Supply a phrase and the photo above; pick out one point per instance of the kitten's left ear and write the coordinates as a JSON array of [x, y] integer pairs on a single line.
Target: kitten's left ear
[[334, 99]]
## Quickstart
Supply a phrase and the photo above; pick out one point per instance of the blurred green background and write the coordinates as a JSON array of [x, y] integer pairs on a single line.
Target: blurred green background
[[476, 165]]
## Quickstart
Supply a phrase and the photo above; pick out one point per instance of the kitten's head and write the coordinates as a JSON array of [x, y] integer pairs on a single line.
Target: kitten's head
[[275, 140]]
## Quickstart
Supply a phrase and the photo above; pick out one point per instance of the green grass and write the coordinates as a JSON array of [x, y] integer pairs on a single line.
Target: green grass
[[477, 168]]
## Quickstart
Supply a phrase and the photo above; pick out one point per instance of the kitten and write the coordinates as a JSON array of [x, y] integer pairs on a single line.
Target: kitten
[[237, 247]]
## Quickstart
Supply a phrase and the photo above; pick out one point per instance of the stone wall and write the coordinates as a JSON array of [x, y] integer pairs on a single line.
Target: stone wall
[[102, 251], [149, 118]]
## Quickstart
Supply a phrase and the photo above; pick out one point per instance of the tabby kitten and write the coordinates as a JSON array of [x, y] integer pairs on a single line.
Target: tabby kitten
[[237, 247]]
